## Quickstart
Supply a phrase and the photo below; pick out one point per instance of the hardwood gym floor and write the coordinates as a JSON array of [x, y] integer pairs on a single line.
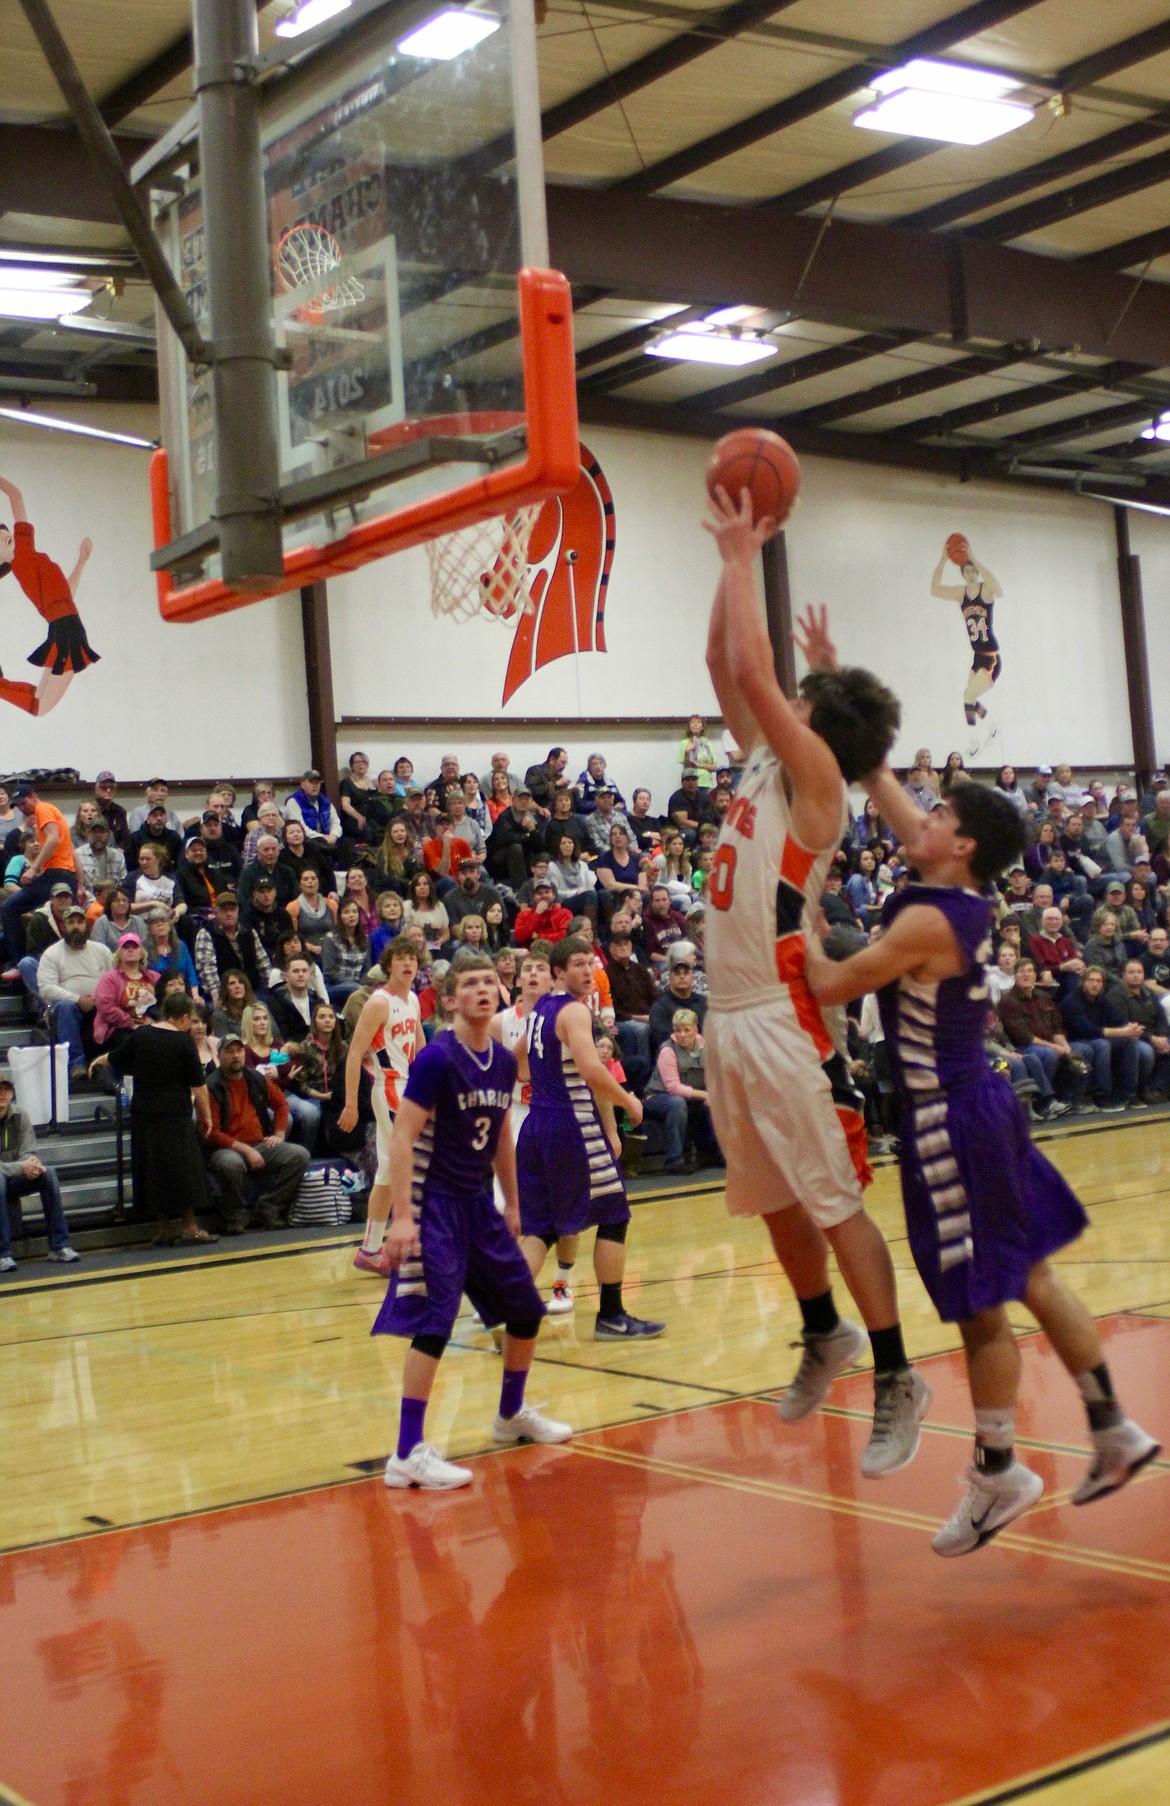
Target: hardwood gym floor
[[207, 1595]]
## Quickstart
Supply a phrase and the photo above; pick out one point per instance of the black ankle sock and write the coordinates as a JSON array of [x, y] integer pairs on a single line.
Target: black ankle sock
[[819, 1314], [611, 1301], [889, 1356], [1101, 1404], [993, 1461]]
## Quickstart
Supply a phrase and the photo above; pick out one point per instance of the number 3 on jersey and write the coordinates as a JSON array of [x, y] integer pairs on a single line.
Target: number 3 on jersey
[[722, 884]]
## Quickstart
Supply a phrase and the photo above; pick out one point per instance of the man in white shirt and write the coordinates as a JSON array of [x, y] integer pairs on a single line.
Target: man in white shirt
[[67, 974], [156, 796]]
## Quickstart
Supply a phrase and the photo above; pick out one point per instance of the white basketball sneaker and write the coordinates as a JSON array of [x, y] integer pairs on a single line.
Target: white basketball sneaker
[[529, 1425], [425, 1467], [823, 1359], [989, 1504], [900, 1402], [1118, 1454], [561, 1301]]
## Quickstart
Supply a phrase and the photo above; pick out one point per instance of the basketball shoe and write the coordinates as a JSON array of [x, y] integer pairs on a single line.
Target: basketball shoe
[[823, 1359], [561, 1300], [1118, 1454], [425, 1467], [900, 1402], [529, 1425], [372, 1263], [624, 1328], [989, 1504]]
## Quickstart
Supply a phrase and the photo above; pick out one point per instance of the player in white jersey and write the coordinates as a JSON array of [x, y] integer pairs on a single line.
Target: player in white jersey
[[788, 1120], [509, 1028], [387, 1037]]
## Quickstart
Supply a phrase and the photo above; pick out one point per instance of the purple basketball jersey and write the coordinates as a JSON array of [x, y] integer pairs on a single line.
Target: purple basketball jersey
[[469, 1095], [983, 1206], [556, 1083]]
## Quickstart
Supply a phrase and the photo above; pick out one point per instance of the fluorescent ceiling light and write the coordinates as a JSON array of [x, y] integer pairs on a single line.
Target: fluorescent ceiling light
[[308, 14], [947, 78], [1159, 430], [949, 118], [731, 316], [700, 347], [37, 278], [449, 34], [18, 302], [74, 426]]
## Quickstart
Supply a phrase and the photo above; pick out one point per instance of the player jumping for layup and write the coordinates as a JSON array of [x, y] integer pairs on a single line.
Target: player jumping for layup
[[977, 596], [984, 1209], [569, 1146], [446, 1236], [789, 1122]]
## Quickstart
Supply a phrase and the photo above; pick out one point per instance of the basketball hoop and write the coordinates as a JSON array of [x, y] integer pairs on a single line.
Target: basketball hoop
[[306, 255], [483, 568]]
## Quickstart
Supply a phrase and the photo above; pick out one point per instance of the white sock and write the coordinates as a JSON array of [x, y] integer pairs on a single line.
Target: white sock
[[565, 1272], [375, 1234]]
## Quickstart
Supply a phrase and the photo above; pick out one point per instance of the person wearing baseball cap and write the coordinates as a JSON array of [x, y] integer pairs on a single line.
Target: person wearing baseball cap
[[112, 812], [514, 841], [53, 863], [545, 919], [66, 979], [23, 1172], [309, 805]]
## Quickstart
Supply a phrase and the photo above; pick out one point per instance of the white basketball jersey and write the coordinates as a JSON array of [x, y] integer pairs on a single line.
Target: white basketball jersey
[[392, 1049], [512, 1032], [762, 882]]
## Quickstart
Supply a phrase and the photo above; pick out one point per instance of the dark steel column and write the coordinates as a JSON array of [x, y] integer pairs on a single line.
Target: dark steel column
[[235, 228], [1137, 663], [778, 608], [319, 682]]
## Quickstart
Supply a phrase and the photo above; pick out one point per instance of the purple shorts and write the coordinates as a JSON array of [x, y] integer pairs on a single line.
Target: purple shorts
[[983, 1206], [465, 1247], [567, 1176]]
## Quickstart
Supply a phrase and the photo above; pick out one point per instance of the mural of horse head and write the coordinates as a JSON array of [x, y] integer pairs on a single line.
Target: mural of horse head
[[570, 556]]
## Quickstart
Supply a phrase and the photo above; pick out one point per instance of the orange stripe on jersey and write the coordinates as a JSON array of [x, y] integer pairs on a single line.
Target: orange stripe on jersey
[[790, 971], [796, 862], [856, 1135]]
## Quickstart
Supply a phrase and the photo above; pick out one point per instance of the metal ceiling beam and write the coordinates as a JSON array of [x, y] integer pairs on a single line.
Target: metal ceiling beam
[[1082, 426], [905, 388], [1130, 251], [871, 278], [47, 171], [1038, 175], [965, 464], [980, 16], [152, 78], [1070, 80], [1020, 400], [1098, 191]]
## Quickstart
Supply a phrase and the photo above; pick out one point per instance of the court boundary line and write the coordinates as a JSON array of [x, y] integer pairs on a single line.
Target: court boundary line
[[1003, 1793], [10, 1797]]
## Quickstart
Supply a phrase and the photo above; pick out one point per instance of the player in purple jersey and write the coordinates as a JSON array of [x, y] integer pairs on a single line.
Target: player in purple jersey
[[569, 1146], [984, 1209], [451, 1131]]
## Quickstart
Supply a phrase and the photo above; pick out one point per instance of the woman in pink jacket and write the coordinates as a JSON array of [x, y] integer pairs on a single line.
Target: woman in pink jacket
[[123, 995]]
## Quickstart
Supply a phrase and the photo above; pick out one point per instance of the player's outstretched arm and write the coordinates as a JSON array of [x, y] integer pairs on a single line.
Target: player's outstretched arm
[[372, 1017], [945, 592], [15, 499], [919, 945], [575, 1029], [814, 640], [992, 587], [750, 666], [401, 1239], [84, 553], [505, 1165], [898, 810], [732, 706]]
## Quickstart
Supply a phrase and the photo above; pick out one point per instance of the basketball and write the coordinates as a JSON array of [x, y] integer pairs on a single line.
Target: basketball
[[958, 550], [765, 465]]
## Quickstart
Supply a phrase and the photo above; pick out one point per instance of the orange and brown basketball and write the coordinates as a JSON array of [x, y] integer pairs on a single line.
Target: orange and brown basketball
[[958, 550], [761, 462]]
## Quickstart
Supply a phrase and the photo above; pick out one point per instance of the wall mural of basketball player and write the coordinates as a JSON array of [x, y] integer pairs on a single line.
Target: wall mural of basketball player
[[570, 556], [976, 596], [66, 649]]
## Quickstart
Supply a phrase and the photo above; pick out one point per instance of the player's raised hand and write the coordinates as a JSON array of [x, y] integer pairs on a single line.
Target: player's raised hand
[[400, 1241], [731, 525], [814, 640], [84, 551]]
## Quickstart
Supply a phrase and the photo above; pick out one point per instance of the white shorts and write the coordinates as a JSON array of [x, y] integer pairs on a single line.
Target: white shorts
[[384, 1118], [519, 1113], [783, 1137]]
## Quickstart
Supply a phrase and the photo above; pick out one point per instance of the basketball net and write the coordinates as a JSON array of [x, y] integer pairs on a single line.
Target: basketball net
[[483, 569], [306, 255]]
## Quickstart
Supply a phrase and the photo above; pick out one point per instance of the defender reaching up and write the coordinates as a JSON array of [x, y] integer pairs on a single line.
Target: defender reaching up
[[788, 1119]]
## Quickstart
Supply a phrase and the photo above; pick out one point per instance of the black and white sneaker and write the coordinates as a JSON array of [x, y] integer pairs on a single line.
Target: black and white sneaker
[[1118, 1454], [624, 1328]]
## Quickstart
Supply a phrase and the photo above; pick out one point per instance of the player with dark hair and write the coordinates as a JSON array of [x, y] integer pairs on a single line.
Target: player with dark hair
[[790, 1122], [976, 595], [66, 649], [984, 1209], [445, 1236], [569, 1146]]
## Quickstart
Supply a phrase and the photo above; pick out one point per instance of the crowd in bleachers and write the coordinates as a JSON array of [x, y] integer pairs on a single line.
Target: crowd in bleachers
[[271, 912]]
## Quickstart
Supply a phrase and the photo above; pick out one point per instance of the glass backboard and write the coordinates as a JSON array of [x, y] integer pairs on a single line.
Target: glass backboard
[[400, 213]]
